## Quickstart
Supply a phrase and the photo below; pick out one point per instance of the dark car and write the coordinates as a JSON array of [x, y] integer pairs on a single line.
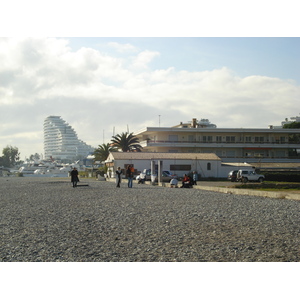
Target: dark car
[[232, 175]]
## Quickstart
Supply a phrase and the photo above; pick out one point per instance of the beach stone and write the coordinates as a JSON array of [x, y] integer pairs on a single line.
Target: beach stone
[[46, 220]]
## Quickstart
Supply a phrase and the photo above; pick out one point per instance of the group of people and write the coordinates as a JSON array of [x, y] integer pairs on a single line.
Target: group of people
[[129, 175], [187, 181]]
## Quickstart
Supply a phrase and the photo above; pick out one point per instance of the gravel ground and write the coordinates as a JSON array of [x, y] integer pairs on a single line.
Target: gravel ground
[[48, 220]]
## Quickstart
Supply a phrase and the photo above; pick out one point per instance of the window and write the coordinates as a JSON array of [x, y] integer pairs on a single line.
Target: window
[[282, 139], [259, 139], [180, 167], [208, 166], [230, 153], [248, 139], [230, 139], [191, 138], [173, 138], [219, 152], [207, 139], [280, 154], [218, 139]]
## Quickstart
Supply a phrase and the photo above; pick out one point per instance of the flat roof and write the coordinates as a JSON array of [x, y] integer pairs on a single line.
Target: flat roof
[[150, 130]]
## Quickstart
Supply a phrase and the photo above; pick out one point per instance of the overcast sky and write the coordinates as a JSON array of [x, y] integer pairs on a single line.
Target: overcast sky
[[104, 85]]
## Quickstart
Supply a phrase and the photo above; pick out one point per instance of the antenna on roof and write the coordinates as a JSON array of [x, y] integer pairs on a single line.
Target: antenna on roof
[[158, 120]]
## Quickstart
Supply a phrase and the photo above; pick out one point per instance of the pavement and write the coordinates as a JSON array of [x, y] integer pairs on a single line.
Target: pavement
[[228, 188]]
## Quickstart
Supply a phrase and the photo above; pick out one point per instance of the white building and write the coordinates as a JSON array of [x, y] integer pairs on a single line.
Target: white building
[[230, 144], [205, 164], [61, 141]]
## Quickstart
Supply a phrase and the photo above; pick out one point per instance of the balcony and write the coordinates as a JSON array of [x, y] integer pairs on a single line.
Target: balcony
[[209, 144]]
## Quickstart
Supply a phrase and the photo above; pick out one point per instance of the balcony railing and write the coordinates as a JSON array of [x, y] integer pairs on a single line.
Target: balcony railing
[[147, 142]]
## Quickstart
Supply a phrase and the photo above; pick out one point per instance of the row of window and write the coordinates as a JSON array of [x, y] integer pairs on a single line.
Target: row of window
[[186, 167], [229, 139], [233, 153]]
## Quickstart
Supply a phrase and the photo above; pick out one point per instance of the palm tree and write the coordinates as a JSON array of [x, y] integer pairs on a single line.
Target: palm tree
[[126, 142], [102, 152]]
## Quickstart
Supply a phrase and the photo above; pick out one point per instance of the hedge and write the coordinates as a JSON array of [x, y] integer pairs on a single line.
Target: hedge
[[281, 176]]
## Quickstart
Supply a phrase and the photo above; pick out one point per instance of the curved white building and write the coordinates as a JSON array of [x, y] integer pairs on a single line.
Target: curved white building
[[61, 141]]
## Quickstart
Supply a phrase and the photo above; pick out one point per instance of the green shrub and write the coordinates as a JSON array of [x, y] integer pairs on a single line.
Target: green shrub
[[102, 170], [281, 176], [270, 186]]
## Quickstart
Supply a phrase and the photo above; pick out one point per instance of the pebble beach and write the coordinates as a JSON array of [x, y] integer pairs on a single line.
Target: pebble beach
[[47, 220]]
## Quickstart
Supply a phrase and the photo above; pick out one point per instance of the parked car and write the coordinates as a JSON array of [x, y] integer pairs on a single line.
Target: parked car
[[168, 175], [145, 175], [232, 175], [248, 175]]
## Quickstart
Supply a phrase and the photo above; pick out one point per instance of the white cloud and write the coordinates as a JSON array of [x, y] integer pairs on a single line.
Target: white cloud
[[144, 58], [123, 48], [95, 93]]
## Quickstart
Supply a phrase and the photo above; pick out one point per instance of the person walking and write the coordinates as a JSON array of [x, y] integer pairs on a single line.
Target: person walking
[[195, 178], [74, 177], [129, 175], [118, 178]]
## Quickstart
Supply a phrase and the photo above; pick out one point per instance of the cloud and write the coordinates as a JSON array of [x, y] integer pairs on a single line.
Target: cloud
[[123, 48], [144, 58], [99, 93]]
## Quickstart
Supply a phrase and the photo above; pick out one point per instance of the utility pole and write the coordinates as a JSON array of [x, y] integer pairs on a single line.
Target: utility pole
[[158, 120]]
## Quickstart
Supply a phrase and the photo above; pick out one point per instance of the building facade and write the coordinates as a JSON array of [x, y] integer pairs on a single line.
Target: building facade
[[61, 141], [230, 144], [206, 165]]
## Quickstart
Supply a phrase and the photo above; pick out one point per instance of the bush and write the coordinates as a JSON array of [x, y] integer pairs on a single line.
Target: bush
[[101, 171], [83, 174], [270, 186], [282, 176]]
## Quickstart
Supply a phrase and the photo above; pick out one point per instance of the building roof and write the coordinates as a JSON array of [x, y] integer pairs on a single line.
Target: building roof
[[274, 166], [236, 164], [152, 130], [161, 155]]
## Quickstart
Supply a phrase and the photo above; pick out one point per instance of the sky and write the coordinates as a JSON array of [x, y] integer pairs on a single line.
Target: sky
[[107, 85]]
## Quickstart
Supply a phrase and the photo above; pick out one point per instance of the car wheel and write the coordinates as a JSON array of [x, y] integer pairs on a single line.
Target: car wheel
[[260, 180], [245, 179]]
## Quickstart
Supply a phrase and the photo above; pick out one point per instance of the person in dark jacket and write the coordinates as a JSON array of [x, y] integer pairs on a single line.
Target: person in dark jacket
[[186, 181], [74, 177], [129, 175], [118, 178]]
